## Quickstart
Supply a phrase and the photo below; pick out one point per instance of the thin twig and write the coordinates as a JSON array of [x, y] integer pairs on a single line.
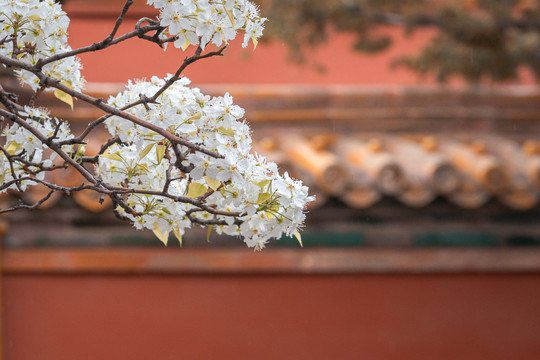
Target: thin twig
[[97, 46], [29, 207], [152, 99], [120, 19], [50, 144], [12, 169]]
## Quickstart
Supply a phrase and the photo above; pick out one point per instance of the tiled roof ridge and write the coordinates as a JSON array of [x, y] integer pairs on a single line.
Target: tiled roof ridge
[[362, 169], [360, 144]]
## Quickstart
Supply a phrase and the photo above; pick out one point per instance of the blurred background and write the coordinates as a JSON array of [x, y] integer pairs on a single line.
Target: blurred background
[[416, 125]]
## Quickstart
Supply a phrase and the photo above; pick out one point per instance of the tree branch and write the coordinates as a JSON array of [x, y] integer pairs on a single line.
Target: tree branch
[[44, 79], [105, 43]]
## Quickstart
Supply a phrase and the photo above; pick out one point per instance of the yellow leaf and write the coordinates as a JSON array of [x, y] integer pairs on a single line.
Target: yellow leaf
[[270, 215], [160, 152], [65, 97], [109, 156], [12, 147], [229, 132], [186, 44], [176, 232], [230, 15], [298, 237], [255, 42], [146, 150], [263, 183], [161, 234], [210, 227], [195, 190], [34, 17], [213, 183]]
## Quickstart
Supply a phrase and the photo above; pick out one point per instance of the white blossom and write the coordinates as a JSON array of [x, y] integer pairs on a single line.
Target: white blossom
[[202, 22], [212, 179], [269, 205], [39, 29]]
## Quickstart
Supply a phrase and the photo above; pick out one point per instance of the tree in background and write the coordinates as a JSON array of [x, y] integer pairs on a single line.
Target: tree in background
[[476, 39], [175, 157]]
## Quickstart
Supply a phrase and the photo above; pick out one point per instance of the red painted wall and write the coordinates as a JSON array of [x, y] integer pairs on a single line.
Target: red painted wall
[[92, 21], [272, 317], [266, 65], [265, 317]]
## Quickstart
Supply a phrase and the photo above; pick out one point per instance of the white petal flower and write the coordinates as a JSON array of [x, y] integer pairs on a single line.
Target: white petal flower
[[271, 204], [201, 21], [42, 32]]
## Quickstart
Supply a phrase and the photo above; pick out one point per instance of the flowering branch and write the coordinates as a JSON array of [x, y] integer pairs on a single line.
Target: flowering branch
[[176, 157]]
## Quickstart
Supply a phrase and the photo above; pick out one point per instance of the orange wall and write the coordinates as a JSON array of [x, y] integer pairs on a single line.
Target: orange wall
[[272, 317]]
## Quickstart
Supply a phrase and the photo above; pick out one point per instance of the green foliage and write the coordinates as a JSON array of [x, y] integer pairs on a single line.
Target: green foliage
[[477, 39]]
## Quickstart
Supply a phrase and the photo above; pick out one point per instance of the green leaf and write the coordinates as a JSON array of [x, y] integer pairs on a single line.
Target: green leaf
[[161, 234], [109, 156], [160, 152], [12, 147], [176, 232], [34, 17], [195, 190], [255, 42], [195, 116], [298, 237], [146, 150], [263, 197], [263, 183], [213, 183], [228, 132], [81, 149], [65, 97], [143, 167], [210, 227]]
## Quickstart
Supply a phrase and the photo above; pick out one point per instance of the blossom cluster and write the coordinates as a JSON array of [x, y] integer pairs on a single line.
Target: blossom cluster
[[256, 202], [24, 144], [31, 30], [209, 21], [203, 173]]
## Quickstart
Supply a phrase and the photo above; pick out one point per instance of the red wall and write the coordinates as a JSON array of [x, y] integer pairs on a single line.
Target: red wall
[[272, 317], [266, 65], [136, 59]]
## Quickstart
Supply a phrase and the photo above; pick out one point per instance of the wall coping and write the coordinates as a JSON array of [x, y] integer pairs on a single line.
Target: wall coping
[[137, 261]]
